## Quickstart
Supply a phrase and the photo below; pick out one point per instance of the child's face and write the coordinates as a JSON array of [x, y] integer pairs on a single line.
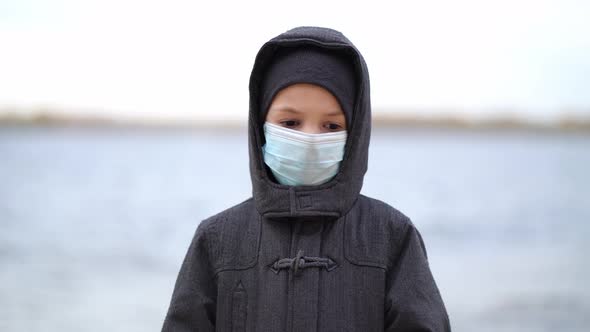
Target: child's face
[[308, 108]]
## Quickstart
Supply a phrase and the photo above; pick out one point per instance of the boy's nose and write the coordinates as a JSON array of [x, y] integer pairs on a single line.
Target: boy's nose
[[312, 129]]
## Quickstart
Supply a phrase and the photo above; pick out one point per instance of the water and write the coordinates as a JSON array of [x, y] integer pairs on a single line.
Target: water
[[95, 223]]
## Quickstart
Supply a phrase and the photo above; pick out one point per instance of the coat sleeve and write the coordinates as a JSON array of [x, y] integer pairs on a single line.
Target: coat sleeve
[[413, 301], [193, 304]]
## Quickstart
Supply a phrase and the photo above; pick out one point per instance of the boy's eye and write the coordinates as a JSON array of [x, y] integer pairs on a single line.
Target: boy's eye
[[333, 126], [290, 123]]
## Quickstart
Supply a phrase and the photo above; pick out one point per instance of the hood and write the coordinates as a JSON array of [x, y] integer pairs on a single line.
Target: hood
[[337, 196]]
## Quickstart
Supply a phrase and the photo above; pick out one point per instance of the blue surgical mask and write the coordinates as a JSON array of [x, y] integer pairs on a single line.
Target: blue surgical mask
[[297, 158]]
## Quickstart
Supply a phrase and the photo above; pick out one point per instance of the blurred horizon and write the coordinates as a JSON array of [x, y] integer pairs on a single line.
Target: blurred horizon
[[397, 118]]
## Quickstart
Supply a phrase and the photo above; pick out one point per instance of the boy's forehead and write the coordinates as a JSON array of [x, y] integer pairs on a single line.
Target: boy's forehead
[[303, 98]]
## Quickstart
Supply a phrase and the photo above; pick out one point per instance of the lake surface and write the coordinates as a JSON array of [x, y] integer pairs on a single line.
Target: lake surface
[[94, 223]]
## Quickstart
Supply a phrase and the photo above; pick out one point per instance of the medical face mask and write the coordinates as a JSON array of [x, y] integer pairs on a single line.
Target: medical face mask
[[297, 158]]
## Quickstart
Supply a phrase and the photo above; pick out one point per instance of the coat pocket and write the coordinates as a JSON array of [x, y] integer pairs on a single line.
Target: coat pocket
[[239, 308]]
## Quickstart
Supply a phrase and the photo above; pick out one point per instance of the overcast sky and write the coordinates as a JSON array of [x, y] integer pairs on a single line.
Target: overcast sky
[[193, 58]]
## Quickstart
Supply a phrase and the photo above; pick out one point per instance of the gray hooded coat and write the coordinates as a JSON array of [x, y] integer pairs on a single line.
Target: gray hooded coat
[[308, 258]]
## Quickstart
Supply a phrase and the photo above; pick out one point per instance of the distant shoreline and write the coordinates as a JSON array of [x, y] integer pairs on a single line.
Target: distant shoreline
[[398, 119]]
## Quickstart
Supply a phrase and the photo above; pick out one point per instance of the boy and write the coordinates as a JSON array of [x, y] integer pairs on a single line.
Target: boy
[[307, 252]]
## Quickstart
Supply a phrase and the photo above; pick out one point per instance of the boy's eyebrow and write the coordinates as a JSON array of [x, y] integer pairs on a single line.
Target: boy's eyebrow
[[334, 113], [288, 109], [294, 110]]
